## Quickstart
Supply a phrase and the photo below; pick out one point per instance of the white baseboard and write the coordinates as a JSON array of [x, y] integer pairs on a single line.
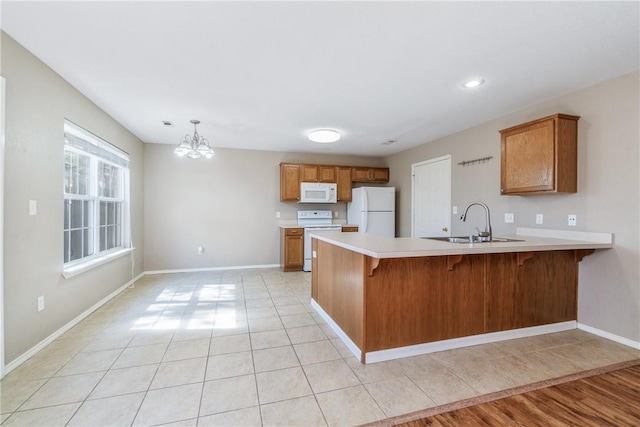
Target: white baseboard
[[353, 348], [610, 336], [195, 270], [42, 344], [416, 350]]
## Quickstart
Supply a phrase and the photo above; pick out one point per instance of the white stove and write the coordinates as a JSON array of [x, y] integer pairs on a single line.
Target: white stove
[[314, 221]]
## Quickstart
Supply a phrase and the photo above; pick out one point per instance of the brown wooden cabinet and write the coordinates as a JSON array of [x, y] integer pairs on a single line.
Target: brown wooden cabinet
[[317, 173], [540, 156], [349, 229], [364, 174], [292, 249], [343, 175], [289, 182], [292, 174]]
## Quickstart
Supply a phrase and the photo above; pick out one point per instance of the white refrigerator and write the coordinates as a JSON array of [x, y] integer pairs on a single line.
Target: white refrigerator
[[373, 210]]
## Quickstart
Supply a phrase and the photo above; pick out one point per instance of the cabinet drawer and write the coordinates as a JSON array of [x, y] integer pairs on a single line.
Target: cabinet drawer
[[349, 229], [294, 231]]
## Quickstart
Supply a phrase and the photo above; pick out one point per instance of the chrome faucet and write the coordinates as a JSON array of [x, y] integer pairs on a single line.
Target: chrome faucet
[[487, 234]]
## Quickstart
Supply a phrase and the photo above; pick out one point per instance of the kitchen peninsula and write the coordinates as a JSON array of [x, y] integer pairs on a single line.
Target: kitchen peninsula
[[389, 298]]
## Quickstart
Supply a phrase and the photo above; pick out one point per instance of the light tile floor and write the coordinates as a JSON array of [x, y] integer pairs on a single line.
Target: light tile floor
[[245, 348]]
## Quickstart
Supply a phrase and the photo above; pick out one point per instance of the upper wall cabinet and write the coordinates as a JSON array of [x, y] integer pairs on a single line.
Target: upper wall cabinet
[[292, 174], [540, 157], [343, 173], [318, 173], [289, 182], [370, 174]]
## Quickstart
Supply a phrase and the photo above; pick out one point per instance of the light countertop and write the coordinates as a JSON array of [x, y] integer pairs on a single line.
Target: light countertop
[[532, 240], [301, 226]]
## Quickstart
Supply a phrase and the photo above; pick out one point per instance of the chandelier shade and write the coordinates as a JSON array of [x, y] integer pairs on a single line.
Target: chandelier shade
[[194, 146]]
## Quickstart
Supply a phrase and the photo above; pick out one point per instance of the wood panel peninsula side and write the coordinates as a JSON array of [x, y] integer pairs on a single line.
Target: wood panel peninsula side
[[390, 298]]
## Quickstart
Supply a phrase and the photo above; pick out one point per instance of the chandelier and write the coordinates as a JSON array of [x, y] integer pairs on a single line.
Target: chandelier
[[194, 146]]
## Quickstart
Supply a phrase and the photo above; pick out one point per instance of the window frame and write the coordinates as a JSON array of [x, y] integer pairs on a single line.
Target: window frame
[[101, 150]]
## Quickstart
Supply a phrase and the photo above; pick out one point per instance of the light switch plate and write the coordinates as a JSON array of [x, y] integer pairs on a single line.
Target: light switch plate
[[509, 218], [455, 210], [33, 205]]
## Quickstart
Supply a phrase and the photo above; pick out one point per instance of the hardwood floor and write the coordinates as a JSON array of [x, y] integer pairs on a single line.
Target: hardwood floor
[[609, 399]]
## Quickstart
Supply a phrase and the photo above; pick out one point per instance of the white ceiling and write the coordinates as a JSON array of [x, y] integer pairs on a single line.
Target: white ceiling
[[260, 75]]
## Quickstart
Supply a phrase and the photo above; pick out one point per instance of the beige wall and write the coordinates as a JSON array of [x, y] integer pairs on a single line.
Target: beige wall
[[227, 205], [37, 102], [608, 198]]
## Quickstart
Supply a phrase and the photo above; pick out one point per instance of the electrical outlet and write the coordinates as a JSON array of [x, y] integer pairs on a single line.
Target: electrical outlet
[[200, 250], [539, 218], [41, 303], [572, 220], [33, 207], [335, 214], [277, 214], [509, 218], [455, 210]]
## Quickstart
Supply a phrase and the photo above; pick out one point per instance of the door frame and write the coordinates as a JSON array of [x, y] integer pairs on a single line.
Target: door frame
[[413, 189], [2, 142]]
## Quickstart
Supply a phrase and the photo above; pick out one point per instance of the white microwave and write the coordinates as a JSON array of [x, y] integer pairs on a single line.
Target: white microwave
[[318, 192]]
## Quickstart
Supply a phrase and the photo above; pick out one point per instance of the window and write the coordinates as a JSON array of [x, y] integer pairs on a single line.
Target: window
[[96, 205]]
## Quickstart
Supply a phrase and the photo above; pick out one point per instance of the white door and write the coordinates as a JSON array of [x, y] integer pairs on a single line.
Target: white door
[[431, 198]]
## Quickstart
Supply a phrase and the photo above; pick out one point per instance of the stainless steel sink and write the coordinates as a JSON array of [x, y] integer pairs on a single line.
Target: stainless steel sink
[[466, 239]]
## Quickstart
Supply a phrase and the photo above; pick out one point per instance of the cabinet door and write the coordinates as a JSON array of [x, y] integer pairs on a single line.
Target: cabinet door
[[289, 182], [344, 183], [326, 173], [540, 156], [380, 174], [361, 174], [294, 251], [309, 173], [528, 158]]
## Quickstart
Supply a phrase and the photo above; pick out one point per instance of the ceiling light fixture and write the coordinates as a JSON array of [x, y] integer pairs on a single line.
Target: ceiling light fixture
[[324, 136], [471, 83], [194, 146]]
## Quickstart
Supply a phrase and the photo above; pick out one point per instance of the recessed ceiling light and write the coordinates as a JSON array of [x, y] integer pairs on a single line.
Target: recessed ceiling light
[[471, 83], [324, 136]]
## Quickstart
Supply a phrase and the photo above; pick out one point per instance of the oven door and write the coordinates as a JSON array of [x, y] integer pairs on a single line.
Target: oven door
[[307, 243]]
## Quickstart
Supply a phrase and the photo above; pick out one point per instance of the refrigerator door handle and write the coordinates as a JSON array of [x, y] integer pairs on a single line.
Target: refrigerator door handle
[[365, 200]]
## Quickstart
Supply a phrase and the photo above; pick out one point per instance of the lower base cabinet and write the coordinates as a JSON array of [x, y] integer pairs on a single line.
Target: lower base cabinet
[[388, 303], [292, 249]]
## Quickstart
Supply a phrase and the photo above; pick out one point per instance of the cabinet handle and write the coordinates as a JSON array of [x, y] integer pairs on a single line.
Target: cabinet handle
[[445, 229]]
